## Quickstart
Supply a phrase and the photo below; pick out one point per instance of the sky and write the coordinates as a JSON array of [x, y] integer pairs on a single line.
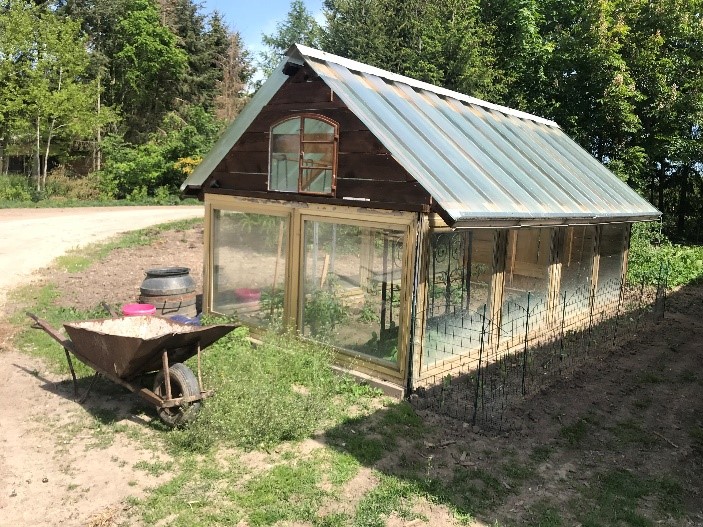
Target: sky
[[252, 19]]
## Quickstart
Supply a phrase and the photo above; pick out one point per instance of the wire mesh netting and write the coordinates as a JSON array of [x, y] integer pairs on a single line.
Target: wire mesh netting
[[474, 369]]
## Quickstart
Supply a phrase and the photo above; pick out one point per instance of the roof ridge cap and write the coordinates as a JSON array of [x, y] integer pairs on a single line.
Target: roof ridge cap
[[360, 67]]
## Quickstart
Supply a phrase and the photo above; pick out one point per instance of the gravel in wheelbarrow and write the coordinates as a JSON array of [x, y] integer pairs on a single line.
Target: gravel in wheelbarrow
[[130, 346]]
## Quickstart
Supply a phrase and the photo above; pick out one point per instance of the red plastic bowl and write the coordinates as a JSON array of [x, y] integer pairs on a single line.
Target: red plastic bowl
[[246, 294], [134, 310]]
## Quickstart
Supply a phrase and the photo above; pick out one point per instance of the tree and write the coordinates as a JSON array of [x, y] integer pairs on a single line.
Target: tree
[[50, 81], [146, 68], [440, 42], [162, 160], [665, 55], [15, 63], [299, 27], [202, 39], [236, 75]]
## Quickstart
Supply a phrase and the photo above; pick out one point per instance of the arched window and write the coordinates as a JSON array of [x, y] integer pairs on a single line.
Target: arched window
[[303, 155]]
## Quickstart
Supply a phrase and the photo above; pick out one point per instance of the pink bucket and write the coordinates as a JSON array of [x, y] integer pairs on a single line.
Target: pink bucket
[[134, 310]]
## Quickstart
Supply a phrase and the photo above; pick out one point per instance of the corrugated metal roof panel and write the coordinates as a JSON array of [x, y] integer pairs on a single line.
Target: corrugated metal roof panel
[[479, 160]]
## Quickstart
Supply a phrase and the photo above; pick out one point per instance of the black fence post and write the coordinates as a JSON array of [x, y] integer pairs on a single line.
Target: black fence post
[[478, 369], [524, 352]]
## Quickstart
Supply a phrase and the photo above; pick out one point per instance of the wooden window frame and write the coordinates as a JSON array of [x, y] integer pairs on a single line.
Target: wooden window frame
[[301, 153]]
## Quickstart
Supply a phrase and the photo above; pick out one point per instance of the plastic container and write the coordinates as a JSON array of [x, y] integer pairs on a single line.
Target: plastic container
[[247, 294], [134, 310]]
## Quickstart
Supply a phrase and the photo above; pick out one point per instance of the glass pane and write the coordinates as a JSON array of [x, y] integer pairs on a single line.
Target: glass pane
[[352, 287], [316, 180], [318, 155], [289, 127], [249, 257], [612, 243], [526, 281], [460, 273], [316, 130], [316, 175], [576, 270], [285, 156]]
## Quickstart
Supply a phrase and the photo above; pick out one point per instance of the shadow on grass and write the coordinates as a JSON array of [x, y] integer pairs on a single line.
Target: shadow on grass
[[604, 445]]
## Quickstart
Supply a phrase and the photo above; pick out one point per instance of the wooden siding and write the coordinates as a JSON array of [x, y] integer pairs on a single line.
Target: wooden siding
[[366, 171]]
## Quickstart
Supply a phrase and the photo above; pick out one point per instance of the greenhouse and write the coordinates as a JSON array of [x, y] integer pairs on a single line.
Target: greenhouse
[[405, 225]]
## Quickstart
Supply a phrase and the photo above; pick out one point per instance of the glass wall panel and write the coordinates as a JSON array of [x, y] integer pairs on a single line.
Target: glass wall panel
[[576, 270], [352, 287], [249, 266], [612, 245], [526, 282], [460, 273]]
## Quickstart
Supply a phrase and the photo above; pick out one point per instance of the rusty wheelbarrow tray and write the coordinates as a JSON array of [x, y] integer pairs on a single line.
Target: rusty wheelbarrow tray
[[125, 348]]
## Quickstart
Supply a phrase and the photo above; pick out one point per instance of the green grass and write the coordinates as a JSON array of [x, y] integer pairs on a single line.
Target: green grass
[[41, 301], [630, 432], [615, 498], [282, 390], [543, 514], [575, 434], [81, 203]]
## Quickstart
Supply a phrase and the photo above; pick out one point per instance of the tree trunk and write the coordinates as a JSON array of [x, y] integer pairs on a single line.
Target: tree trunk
[[36, 169], [97, 152], [45, 167], [682, 208]]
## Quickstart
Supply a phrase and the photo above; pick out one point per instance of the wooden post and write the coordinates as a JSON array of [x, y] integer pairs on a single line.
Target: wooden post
[[275, 268], [497, 286], [325, 269], [555, 264], [420, 264]]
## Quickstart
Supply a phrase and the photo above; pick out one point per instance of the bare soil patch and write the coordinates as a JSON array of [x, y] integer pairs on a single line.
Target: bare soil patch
[[61, 463]]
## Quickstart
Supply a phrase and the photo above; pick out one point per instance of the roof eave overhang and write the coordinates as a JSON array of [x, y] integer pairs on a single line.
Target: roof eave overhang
[[547, 221]]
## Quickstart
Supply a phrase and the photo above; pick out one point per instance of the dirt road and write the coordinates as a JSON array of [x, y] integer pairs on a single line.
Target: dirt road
[[32, 238], [59, 465]]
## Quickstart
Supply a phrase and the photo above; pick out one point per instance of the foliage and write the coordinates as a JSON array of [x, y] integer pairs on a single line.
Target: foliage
[[652, 257], [299, 27], [139, 170], [278, 391], [323, 311], [443, 43], [15, 188], [46, 98]]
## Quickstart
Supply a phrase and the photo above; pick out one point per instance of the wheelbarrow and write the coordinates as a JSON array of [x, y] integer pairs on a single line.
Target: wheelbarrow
[[124, 349]]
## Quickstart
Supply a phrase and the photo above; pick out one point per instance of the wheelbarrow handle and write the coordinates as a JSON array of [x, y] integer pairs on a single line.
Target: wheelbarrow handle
[[53, 333]]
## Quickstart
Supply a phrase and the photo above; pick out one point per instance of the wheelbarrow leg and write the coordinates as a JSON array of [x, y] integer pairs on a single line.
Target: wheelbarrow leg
[[167, 376], [73, 372]]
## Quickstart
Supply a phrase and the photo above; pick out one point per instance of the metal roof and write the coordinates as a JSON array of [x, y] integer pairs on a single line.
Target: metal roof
[[479, 161]]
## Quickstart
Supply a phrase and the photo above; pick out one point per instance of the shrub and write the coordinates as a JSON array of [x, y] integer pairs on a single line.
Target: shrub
[[281, 390], [15, 187], [653, 258]]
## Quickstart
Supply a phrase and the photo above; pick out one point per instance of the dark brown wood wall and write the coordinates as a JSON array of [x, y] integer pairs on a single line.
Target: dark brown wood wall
[[365, 168]]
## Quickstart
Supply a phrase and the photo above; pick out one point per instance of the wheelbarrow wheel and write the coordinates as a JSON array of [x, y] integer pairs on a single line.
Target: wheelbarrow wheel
[[183, 384]]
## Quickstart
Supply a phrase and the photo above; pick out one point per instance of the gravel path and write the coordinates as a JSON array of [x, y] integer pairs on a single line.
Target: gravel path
[[32, 238]]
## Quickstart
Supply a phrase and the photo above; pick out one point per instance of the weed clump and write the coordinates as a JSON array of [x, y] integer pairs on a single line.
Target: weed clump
[[281, 390]]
